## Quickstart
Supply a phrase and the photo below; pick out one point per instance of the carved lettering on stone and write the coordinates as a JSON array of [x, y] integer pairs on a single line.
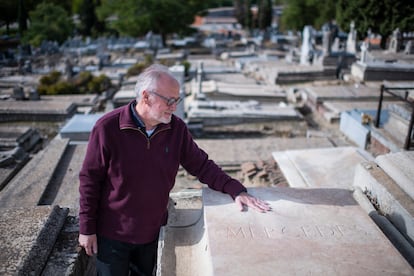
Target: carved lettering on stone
[[297, 232]]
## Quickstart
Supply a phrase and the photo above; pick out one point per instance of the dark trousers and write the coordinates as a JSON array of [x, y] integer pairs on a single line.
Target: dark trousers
[[119, 258]]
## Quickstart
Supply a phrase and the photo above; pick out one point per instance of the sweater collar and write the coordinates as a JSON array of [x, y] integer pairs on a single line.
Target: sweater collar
[[129, 118], [135, 115]]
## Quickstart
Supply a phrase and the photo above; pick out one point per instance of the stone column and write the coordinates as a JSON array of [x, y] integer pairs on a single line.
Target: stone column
[[306, 56], [351, 40], [364, 52]]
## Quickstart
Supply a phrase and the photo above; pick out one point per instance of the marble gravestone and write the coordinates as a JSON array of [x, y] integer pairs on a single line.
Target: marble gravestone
[[309, 231], [306, 56]]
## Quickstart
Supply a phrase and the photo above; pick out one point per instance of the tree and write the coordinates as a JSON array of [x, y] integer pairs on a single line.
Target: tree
[[243, 13], [220, 3], [22, 17], [87, 17], [65, 4], [265, 13], [381, 17], [17, 11], [299, 13], [48, 22], [89, 23], [138, 17], [8, 13]]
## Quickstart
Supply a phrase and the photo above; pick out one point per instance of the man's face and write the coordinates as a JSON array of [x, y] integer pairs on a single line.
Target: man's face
[[164, 101]]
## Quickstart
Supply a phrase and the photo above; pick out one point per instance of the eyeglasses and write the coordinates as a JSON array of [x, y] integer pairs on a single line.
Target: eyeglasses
[[168, 101]]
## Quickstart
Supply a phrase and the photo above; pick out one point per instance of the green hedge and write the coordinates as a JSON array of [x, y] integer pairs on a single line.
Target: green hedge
[[84, 83]]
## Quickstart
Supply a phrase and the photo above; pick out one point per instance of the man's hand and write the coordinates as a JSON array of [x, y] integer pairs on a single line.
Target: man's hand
[[244, 199], [89, 243]]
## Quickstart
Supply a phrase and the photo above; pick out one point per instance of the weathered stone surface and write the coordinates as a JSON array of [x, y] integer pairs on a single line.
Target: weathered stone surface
[[309, 232], [325, 167], [68, 193], [244, 150], [303, 74], [67, 258], [27, 188], [383, 142], [352, 127], [390, 199], [79, 127], [15, 144], [181, 248], [400, 167], [378, 71], [336, 107], [19, 136], [344, 93], [397, 127], [48, 108], [27, 237], [36, 111]]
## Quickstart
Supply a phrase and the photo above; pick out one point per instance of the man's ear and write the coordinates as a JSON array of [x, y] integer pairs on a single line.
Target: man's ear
[[145, 97]]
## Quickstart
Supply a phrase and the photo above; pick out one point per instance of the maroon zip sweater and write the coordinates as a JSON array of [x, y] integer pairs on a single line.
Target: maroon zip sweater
[[126, 176]]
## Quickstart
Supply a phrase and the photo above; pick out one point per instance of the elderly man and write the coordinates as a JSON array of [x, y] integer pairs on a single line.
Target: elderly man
[[130, 166]]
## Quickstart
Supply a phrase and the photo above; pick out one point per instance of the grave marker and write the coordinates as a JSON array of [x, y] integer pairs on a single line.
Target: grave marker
[[309, 232]]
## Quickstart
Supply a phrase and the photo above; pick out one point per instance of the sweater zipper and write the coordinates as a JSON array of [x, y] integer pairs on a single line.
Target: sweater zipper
[[148, 138], [155, 133]]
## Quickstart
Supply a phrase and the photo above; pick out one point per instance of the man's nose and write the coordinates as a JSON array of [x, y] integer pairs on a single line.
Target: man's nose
[[173, 106]]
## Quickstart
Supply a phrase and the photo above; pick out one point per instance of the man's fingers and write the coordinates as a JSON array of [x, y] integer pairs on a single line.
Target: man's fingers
[[263, 205], [89, 243], [90, 250], [259, 207], [95, 248], [252, 202], [240, 204]]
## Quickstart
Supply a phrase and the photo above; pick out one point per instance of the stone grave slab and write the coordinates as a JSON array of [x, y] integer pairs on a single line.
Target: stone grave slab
[[323, 167], [390, 199], [309, 232], [379, 70], [384, 142], [46, 109], [123, 97], [27, 237], [26, 189], [237, 151], [397, 127], [335, 108], [79, 100], [339, 106], [19, 79], [400, 167], [350, 124], [344, 93], [79, 127], [68, 194]]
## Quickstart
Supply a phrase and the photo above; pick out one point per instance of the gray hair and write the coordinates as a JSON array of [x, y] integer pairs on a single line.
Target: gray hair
[[147, 80]]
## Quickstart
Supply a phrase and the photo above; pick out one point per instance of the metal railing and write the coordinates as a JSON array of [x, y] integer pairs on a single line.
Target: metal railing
[[402, 96]]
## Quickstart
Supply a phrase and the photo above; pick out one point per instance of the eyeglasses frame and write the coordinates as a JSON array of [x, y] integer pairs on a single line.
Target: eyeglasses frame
[[168, 101]]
